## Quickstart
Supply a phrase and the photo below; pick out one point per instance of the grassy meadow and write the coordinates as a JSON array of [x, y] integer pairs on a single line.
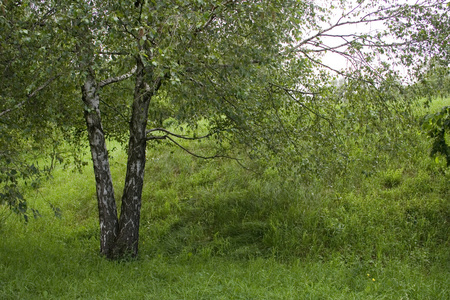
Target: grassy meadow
[[211, 229]]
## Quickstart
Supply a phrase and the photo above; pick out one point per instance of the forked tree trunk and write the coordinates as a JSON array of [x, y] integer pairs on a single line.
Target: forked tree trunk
[[119, 238], [107, 210]]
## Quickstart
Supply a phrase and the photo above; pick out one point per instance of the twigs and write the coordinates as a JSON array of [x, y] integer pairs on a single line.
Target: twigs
[[289, 93]]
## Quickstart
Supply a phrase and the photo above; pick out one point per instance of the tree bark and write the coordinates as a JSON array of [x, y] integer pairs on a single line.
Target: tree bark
[[128, 237], [105, 191], [119, 237]]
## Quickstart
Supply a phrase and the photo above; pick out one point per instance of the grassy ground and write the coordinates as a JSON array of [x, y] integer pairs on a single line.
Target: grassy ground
[[212, 230], [31, 270]]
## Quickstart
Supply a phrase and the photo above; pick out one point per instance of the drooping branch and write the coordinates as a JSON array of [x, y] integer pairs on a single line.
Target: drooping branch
[[335, 70], [280, 121], [323, 65], [289, 93], [168, 137], [317, 114], [314, 44], [297, 91], [118, 112], [206, 157], [152, 137]]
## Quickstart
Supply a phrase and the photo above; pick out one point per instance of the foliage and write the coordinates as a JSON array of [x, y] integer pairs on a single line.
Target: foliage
[[212, 229], [423, 28], [435, 83], [438, 126], [249, 74], [30, 115]]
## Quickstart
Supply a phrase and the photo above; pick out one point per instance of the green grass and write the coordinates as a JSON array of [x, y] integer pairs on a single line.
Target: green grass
[[212, 230], [66, 269]]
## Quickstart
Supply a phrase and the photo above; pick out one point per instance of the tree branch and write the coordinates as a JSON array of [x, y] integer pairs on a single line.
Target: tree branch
[[118, 78], [211, 18], [293, 90], [167, 136], [346, 75], [112, 53], [174, 134], [340, 23], [308, 108], [206, 157]]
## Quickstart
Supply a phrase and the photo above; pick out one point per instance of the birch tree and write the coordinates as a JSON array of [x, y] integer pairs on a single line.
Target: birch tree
[[252, 70]]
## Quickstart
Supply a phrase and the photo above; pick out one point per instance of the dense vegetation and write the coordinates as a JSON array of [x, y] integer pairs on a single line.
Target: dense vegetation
[[249, 74], [270, 172], [376, 228]]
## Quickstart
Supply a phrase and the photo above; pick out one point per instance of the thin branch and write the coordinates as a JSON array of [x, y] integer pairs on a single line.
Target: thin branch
[[308, 108], [206, 157], [120, 114], [324, 48], [14, 108], [126, 29], [167, 136], [31, 95], [118, 78], [211, 18], [340, 23], [354, 35], [293, 90], [221, 95], [330, 122], [323, 65], [112, 53], [176, 135], [346, 75], [286, 133]]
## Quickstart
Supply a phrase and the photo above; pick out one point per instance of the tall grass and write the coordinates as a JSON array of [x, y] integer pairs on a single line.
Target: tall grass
[[213, 230]]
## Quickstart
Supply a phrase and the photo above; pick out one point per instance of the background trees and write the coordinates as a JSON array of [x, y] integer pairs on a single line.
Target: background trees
[[250, 71]]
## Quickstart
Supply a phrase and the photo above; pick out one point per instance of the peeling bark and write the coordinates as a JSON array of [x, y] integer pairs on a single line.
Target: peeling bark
[[105, 191], [119, 237], [128, 237]]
